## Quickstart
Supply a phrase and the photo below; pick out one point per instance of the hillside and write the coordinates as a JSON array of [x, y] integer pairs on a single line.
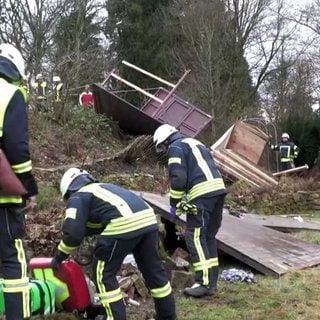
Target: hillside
[[99, 146], [86, 139]]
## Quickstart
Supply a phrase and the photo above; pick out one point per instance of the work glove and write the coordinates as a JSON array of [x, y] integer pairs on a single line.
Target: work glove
[[172, 211], [185, 207], [57, 259]]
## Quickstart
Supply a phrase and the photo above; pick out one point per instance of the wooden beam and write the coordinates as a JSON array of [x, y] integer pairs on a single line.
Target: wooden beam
[[175, 87], [148, 74], [112, 74]]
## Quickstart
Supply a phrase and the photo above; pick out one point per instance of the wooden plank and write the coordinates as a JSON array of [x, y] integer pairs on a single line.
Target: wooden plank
[[268, 251], [280, 223]]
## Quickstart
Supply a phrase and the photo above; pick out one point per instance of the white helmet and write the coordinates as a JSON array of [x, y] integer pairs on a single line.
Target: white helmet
[[69, 176], [13, 54], [39, 76], [163, 133], [285, 136], [56, 79]]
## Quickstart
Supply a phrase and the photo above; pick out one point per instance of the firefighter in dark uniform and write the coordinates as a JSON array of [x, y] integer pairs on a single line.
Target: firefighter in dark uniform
[[126, 224], [288, 152], [14, 142], [197, 189]]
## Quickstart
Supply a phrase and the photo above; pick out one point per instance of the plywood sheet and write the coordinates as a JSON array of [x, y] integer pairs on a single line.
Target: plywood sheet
[[247, 140], [268, 251], [280, 223]]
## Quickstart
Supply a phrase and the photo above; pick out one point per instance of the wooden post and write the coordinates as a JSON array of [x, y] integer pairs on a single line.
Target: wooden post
[[305, 167], [175, 87]]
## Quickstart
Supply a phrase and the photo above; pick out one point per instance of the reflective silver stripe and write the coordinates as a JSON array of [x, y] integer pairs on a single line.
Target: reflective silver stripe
[[122, 225], [174, 160], [110, 296], [15, 285], [206, 264], [200, 253], [108, 196], [201, 162], [205, 187]]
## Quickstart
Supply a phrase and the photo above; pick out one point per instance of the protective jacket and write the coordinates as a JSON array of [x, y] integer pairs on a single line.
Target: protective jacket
[[14, 139], [106, 209], [192, 170], [57, 90], [41, 90], [288, 151]]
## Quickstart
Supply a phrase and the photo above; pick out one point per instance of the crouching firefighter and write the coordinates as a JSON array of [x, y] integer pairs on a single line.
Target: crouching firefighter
[[126, 224], [14, 142]]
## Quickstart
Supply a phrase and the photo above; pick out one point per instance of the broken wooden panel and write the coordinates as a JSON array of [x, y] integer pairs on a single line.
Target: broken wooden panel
[[129, 118], [181, 114], [234, 166], [245, 139], [268, 251]]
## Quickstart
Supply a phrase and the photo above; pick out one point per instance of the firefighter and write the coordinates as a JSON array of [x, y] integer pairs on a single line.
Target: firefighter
[[40, 87], [197, 189], [57, 88], [288, 152], [14, 142], [126, 224]]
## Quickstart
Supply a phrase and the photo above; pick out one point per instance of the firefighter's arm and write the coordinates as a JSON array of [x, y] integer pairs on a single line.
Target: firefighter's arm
[[177, 174], [73, 229]]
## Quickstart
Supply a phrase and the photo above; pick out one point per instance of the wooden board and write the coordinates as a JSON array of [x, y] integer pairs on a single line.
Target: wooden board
[[279, 223], [268, 251]]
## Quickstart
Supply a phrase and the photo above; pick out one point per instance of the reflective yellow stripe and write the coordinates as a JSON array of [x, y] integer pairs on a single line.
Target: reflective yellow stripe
[[10, 199], [124, 225], [206, 187], [21, 256], [206, 264], [176, 194], [174, 160], [200, 252], [101, 288], [108, 196], [22, 167], [64, 248], [92, 225], [201, 162], [110, 296], [19, 286], [161, 292]]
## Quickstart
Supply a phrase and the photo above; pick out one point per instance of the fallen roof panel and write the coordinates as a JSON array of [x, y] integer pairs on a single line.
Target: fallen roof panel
[[268, 251]]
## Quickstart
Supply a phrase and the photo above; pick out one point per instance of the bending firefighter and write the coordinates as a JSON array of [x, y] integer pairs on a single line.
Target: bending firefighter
[[288, 152], [197, 189], [126, 224], [14, 142]]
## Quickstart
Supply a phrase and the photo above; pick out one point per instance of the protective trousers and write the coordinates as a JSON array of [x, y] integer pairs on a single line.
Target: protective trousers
[[200, 237], [14, 264], [109, 254]]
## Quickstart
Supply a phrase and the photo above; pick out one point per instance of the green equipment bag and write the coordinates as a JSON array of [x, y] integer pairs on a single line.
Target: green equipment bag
[[42, 297]]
